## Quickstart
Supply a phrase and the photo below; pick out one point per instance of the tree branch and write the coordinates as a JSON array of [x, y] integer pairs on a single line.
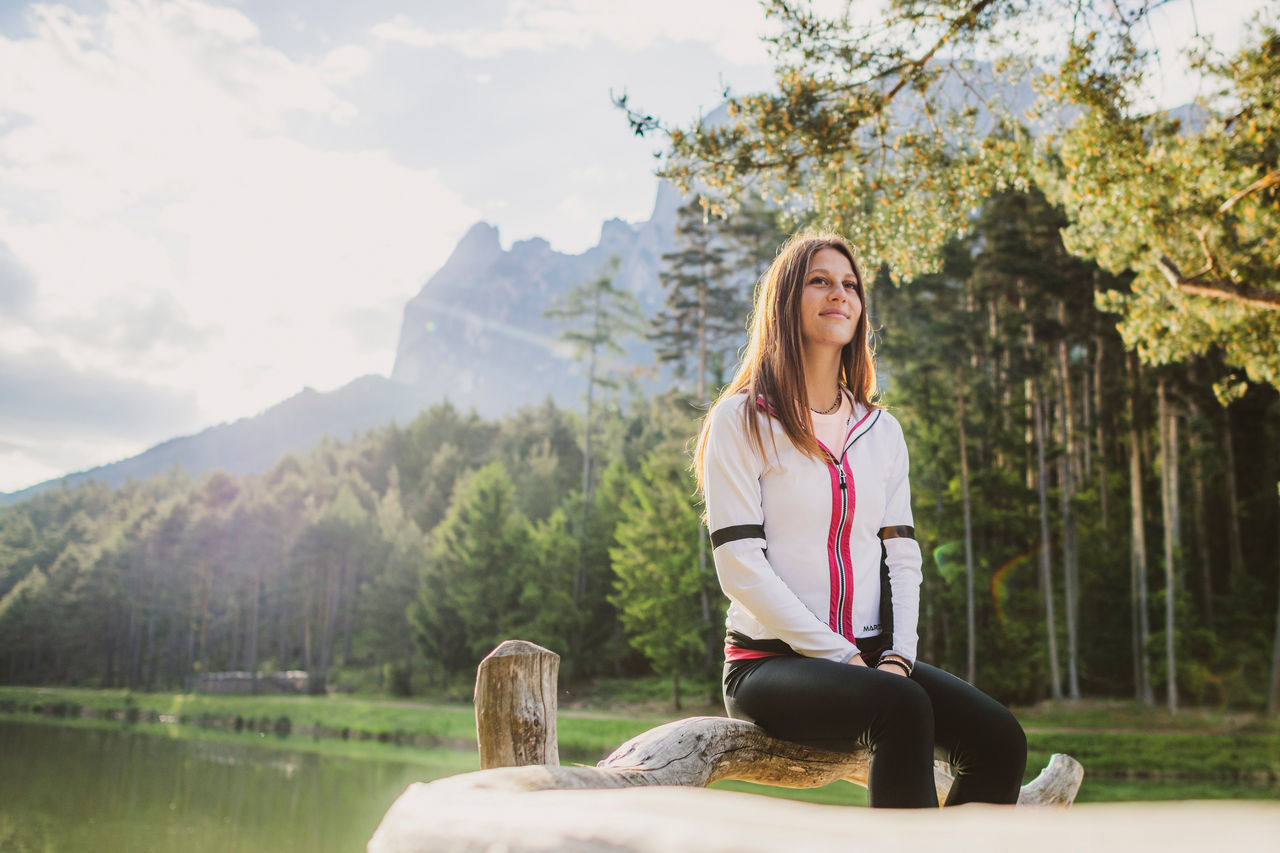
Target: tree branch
[[1262, 183], [959, 23], [1219, 288]]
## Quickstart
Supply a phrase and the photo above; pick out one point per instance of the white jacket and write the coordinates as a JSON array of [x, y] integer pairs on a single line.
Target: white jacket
[[801, 544]]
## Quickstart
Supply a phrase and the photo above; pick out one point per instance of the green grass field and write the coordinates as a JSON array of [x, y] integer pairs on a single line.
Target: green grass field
[[1128, 752], [582, 735]]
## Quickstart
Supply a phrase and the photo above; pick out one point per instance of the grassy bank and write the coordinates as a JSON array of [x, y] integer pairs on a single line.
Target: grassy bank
[[441, 760], [582, 735], [1128, 752]]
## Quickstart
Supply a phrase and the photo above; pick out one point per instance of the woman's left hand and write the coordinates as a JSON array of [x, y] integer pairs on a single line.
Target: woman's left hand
[[890, 666]]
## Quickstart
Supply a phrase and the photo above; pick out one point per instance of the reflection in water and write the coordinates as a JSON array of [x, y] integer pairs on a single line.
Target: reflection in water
[[93, 789]]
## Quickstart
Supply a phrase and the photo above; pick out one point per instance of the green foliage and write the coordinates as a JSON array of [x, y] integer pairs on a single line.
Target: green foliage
[[323, 562], [541, 444], [1193, 211], [600, 628], [884, 128], [544, 609], [701, 318], [470, 584], [397, 679], [658, 586], [384, 601]]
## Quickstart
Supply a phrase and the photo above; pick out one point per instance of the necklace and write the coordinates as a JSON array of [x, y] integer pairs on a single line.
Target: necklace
[[833, 407]]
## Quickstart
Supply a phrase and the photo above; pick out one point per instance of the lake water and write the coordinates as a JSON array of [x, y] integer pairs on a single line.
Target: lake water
[[115, 789], [79, 789]]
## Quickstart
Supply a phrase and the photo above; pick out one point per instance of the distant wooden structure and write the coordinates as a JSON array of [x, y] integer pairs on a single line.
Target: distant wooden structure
[[515, 727], [244, 683]]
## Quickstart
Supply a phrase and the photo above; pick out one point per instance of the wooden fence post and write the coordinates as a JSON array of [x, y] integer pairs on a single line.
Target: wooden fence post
[[516, 706]]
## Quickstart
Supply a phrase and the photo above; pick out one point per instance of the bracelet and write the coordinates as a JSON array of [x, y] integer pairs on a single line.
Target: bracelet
[[906, 667]]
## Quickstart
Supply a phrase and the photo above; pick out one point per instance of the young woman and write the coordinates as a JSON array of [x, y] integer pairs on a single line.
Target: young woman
[[809, 509]]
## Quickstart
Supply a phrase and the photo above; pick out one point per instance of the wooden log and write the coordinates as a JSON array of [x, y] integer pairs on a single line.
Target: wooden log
[[692, 820], [515, 703], [701, 750]]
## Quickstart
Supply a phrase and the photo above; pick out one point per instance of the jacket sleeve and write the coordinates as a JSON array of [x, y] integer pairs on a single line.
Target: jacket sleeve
[[902, 554], [735, 518]]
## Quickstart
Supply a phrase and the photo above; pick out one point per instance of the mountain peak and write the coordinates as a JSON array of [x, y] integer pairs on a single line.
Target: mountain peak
[[615, 234], [481, 237]]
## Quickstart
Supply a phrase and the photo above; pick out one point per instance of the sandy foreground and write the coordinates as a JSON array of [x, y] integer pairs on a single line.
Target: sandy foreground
[[673, 820]]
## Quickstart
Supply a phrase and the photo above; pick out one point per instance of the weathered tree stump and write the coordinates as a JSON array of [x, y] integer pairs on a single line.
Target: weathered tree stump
[[516, 706], [515, 724]]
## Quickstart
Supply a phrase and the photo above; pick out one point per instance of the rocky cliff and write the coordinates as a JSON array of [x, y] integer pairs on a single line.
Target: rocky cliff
[[476, 332]]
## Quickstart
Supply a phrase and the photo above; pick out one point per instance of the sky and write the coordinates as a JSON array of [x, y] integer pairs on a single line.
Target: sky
[[208, 205]]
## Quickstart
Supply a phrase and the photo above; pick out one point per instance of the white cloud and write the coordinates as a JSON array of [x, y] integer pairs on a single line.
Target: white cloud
[[576, 210], [25, 464], [343, 64], [58, 417], [402, 30], [1169, 80], [731, 28], [177, 232]]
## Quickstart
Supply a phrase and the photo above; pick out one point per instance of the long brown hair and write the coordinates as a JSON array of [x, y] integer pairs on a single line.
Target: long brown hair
[[772, 367]]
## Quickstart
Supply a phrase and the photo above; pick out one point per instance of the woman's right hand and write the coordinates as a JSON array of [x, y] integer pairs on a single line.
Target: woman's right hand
[[857, 660]]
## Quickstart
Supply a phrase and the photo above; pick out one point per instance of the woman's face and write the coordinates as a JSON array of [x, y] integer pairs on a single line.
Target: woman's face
[[829, 304]]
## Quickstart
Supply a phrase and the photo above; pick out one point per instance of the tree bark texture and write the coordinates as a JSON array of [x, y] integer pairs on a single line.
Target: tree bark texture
[[1219, 288], [971, 655], [515, 703], [1101, 435], [1086, 423], [997, 371], [699, 751], [1138, 550], [1046, 577], [1069, 474], [1235, 549], [1168, 486], [1028, 391], [1273, 686], [1069, 596], [1066, 398], [1202, 529]]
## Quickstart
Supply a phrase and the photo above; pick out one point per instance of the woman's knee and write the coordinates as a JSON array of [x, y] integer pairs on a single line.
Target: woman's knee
[[998, 743], [904, 705], [1010, 739]]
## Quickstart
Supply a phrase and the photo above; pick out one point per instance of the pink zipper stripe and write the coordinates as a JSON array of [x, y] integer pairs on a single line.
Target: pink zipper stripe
[[852, 500], [833, 544]]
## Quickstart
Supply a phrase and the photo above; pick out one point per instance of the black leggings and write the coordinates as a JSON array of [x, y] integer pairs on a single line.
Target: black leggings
[[904, 722]]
